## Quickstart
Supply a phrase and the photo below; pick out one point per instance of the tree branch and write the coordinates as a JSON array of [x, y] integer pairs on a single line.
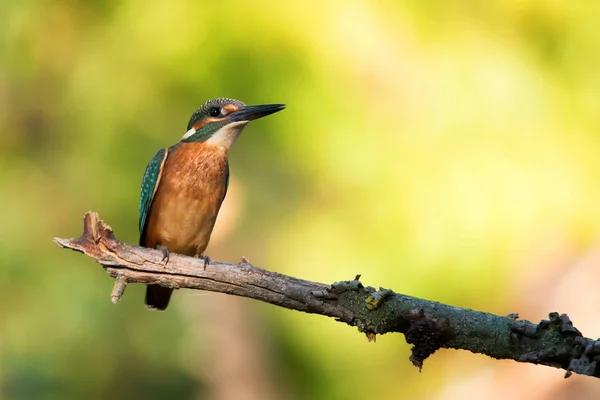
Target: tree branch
[[427, 325]]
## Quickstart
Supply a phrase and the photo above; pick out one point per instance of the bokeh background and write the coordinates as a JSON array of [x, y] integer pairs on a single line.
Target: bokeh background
[[447, 150]]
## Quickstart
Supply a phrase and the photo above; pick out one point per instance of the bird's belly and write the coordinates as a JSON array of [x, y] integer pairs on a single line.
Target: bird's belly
[[184, 224]]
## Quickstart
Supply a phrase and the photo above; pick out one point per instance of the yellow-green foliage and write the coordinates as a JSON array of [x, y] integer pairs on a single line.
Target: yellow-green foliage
[[436, 148]]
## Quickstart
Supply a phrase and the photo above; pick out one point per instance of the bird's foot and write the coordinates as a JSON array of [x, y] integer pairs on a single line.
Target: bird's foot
[[206, 260], [166, 253]]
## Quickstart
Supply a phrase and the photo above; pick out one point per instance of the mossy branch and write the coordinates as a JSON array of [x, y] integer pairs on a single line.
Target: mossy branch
[[427, 325]]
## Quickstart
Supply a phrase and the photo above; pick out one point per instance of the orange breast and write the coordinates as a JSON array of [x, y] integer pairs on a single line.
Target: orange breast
[[188, 198]]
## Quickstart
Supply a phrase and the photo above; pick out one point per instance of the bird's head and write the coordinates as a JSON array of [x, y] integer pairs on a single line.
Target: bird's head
[[220, 121]]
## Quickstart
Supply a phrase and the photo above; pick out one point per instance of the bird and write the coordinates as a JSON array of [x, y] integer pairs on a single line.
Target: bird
[[184, 185]]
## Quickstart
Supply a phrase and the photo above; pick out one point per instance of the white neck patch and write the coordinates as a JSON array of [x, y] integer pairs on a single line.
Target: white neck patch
[[227, 135], [188, 133]]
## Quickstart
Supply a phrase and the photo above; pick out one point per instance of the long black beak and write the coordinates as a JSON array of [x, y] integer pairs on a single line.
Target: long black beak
[[248, 113]]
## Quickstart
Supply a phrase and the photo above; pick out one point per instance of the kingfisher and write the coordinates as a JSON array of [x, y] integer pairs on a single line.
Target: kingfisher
[[184, 185]]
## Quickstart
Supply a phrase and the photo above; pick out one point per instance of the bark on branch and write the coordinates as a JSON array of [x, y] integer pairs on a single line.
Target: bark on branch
[[427, 325]]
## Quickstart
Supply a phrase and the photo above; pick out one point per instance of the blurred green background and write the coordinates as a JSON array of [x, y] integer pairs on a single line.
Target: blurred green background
[[447, 150]]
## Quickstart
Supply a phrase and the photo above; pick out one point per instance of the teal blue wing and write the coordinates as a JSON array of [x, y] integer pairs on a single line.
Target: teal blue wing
[[150, 183]]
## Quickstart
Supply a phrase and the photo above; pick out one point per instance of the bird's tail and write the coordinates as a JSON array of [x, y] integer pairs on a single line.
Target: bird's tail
[[157, 297]]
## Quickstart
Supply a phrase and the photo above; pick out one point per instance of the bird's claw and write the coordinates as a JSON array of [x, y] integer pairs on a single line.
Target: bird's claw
[[206, 260], [166, 254]]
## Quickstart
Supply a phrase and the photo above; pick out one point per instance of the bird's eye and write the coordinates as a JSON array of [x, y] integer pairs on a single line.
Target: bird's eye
[[214, 112]]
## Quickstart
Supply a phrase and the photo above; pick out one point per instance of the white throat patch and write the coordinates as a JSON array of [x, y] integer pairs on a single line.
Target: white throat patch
[[227, 135]]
